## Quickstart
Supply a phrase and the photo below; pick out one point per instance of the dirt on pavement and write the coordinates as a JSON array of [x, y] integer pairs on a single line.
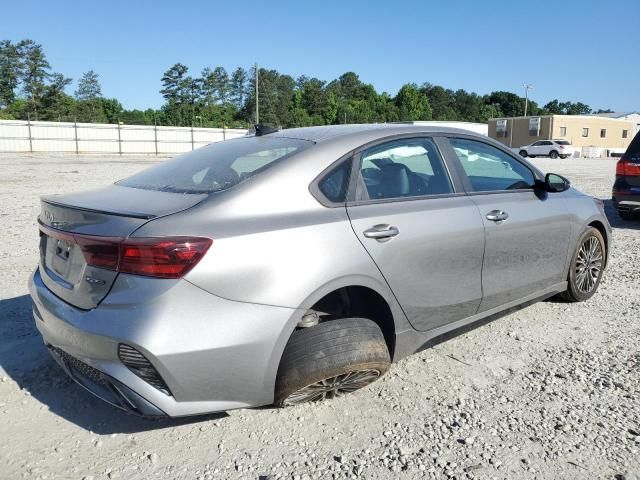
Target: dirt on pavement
[[550, 391]]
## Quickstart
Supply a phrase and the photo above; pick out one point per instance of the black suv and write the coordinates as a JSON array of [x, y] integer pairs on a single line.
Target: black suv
[[626, 188]]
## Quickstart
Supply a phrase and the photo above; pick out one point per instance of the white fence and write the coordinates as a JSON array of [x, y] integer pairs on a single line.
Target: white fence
[[26, 136]]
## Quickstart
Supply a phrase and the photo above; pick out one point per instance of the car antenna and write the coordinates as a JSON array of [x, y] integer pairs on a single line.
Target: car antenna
[[263, 130]]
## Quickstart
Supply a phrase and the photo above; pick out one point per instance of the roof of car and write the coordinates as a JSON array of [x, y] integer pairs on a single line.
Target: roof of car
[[319, 134]]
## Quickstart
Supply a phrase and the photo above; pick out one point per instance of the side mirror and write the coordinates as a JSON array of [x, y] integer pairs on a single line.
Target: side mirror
[[556, 183]]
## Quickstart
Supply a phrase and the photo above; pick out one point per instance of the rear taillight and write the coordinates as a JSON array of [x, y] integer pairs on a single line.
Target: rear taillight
[[161, 257], [626, 168], [102, 252]]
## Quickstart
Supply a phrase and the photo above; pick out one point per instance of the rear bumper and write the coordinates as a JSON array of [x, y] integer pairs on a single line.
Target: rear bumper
[[214, 354], [627, 203], [103, 386]]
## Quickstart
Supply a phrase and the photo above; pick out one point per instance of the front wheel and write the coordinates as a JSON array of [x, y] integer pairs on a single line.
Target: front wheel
[[553, 154], [587, 266], [523, 153], [329, 360]]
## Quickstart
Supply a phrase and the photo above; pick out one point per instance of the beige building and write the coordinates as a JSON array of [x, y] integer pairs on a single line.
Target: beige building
[[604, 135]]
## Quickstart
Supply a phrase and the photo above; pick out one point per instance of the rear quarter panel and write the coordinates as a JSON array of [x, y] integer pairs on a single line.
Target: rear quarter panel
[[274, 243]]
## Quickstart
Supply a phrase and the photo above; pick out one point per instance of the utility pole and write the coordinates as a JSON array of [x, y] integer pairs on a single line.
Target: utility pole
[[257, 107], [527, 87]]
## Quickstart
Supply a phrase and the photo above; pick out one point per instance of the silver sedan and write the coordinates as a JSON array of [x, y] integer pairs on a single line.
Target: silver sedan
[[296, 265]]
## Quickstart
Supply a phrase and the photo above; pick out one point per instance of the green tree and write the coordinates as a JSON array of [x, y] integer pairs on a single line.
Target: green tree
[[10, 71], [441, 101], [578, 108], [55, 103], [88, 96], [412, 104], [89, 88], [112, 109], [299, 117], [313, 98], [35, 73], [554, 107], [238, 87], [175, 83], [509, 103]]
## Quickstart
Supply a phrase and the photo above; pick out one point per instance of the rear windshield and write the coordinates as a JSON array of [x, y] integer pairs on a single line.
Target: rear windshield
[[216, 167], [633, 152], [562, 142]]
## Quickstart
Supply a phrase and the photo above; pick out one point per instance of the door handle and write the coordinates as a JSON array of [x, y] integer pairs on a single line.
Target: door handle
[[381, 231], [497, 215]]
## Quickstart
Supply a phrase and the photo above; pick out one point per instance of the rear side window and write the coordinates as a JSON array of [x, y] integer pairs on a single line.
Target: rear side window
[[216, 167], [633, 151], [334, 185], [562, 142], [490, 169], [402, 168]]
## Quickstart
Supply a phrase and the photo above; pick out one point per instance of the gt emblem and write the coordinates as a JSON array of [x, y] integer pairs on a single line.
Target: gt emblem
[[94, 281]]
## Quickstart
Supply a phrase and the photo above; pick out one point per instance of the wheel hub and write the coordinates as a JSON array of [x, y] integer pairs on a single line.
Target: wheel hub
[[333, 387], [588, 265]]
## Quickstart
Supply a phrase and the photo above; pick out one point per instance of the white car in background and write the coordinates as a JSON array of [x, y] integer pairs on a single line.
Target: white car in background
[[547, 148]]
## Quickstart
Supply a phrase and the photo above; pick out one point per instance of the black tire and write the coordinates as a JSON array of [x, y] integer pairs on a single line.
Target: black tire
[[332, 351], [574, 293], [553, 154], [523, 153], [564, 156], [532, 156]]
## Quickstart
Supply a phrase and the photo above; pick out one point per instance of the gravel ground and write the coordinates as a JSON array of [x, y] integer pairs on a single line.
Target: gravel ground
[[550, 391]]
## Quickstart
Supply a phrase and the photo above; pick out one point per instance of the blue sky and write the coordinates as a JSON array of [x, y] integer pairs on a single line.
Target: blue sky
[[571, 50]]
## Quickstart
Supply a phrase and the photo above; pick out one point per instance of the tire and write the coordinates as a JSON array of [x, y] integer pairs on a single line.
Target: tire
[[553, 154], [532, 156], [332, 358], [575, 292], [564, 156], [523, 153]]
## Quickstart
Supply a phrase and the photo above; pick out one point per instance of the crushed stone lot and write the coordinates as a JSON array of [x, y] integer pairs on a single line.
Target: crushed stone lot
[[551, 391]]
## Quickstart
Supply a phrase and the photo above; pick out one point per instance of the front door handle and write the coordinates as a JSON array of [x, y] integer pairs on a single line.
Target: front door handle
[[381, 231], [497, 215]]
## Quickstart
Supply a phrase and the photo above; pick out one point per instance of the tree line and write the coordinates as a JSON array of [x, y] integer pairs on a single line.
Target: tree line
[[30, 89]]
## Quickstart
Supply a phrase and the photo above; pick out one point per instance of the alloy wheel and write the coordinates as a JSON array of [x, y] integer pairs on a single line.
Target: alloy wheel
[[333, 387], [588, 265]]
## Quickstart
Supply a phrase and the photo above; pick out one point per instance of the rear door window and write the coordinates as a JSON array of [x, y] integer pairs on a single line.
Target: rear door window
[[490, 169], [402, 168], [216, 167]]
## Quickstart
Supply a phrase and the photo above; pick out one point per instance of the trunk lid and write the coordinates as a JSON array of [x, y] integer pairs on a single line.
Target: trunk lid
[[114, 212]]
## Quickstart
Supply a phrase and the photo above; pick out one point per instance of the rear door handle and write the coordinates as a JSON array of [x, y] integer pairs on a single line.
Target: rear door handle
[[497, 215], [381, 231]]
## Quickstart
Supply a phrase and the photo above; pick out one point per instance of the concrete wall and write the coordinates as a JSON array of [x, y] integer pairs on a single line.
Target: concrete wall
[[23, 136]]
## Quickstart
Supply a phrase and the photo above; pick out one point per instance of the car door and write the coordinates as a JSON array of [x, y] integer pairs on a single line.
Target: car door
[[425, 235], [545, 148], [527, 231], [536, 149]]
